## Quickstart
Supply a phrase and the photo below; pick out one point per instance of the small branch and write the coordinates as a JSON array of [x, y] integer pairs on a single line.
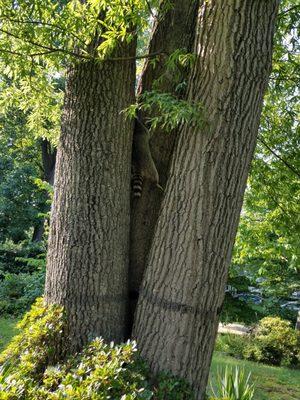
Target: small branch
[[48, 48], [293, 169], [288, 10], [43, 53], [281, 79], [50, 25], [15, 53], [150, 55], [150, 10], [273, 197]]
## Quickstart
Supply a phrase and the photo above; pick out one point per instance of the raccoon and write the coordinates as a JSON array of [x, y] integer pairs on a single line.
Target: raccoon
[[143, 166]]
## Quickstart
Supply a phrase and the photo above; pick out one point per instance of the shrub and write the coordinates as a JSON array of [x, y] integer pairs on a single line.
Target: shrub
[[19, 291], [30, 371], [275, 342], [233, 385], [171, 388], [22, 276], [21, 258], [231, 344]]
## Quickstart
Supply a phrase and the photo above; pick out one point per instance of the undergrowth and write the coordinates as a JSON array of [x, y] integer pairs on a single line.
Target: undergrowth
[[30, 371]]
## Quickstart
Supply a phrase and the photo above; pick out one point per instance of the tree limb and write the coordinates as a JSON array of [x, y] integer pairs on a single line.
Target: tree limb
[[34, 22], [288, 10], [48, 48], [291, 167]]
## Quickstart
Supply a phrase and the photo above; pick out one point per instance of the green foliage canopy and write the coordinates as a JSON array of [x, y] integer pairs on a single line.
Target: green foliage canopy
[[268, 242], [40, 39]]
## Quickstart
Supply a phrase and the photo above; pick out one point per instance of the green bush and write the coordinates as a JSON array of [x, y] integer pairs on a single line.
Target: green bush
[[19, 291], [22, 257], [274, 342], [171, 388], [29, 369], [231, 344], [22, 276]]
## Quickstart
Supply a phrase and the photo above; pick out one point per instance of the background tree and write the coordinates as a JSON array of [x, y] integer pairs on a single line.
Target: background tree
[[48, 153], [21, 200], [267, 244]]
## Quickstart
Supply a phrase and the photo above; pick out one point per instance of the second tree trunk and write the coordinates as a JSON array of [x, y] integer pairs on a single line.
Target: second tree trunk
[[183, 288]]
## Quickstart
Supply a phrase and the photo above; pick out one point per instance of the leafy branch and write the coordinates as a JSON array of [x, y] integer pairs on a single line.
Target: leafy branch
[[166, 110], [41, 23], [39, 45]]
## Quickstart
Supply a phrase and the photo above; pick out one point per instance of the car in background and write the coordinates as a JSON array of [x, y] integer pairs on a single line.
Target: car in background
[[296, 295], [249, 297], [291, 305], [231, 289]]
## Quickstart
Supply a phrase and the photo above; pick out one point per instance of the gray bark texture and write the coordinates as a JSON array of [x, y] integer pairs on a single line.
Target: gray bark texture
[[183, 288], [87, 263], [173, 30]]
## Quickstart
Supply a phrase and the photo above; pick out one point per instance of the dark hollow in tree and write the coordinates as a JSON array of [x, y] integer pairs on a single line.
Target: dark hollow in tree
[[173, 30]]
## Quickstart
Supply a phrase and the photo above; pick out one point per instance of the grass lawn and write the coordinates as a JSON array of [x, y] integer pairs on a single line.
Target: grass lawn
[[7, 330], [271, 383]]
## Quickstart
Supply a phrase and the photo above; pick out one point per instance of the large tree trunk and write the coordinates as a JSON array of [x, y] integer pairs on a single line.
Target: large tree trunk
[[183, 288], [87, 263], [173, 30]]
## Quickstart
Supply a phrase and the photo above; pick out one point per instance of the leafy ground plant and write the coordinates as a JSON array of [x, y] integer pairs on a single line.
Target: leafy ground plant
[[28, 370], [19, 291], [271, 383], [278, 383], [233, 384]]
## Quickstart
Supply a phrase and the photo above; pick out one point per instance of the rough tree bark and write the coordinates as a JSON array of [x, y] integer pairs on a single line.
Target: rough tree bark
[[87, 262], [173, 30], [183, 288]]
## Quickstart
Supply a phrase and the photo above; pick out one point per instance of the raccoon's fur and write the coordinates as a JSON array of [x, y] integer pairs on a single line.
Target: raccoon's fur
[[143, 166]]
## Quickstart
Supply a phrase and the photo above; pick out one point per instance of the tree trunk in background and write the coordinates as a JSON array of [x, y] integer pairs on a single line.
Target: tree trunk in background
[[38, 232], [48, 160], [87, 263], [297, 326], [174, 29], [183, 288]]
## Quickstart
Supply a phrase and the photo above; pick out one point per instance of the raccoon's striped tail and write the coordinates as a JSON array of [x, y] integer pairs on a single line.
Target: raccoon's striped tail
[[137, 185]]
